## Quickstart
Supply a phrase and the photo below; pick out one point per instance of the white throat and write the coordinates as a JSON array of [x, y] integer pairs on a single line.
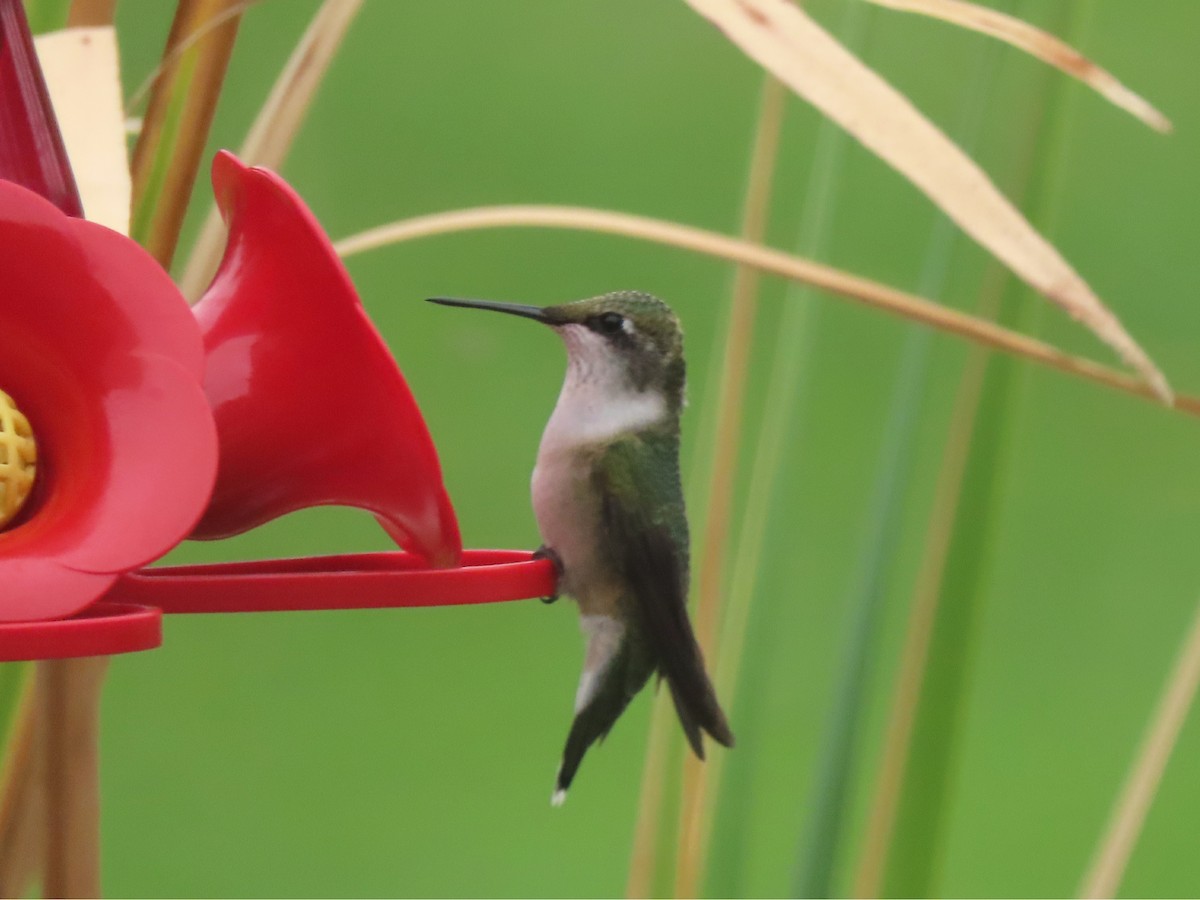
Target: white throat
[[597, 402]]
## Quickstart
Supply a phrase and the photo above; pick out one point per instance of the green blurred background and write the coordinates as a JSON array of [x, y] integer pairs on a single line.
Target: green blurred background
[[411, 752]]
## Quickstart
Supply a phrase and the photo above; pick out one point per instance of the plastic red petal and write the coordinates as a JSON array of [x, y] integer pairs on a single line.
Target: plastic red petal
[[311, 409], [160, 317], [98, 349]]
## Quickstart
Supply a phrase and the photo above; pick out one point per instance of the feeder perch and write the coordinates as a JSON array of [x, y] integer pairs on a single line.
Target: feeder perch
[[156, 421]]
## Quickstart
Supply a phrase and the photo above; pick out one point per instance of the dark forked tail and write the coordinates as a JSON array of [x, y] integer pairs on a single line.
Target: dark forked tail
[[670, 635], [665, 643], [618, 682]]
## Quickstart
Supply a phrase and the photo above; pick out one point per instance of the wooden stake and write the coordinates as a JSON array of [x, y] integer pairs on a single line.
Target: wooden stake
[[67, 738]]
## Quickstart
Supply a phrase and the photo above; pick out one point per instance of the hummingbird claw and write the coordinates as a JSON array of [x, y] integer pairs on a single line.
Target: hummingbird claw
[[544, 552]]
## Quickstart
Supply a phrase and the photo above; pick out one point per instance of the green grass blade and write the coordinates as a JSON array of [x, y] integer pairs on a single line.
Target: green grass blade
[[14, 678], [925, 794], [737, 676], [710, 600], [16, 865], [47, 15], [822, 844], [735, 777], [167, 155], [914, 855], [276, 125], [710, 492]]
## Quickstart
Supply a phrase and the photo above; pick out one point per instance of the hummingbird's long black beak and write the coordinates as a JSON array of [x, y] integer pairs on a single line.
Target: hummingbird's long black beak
[[516, 309]]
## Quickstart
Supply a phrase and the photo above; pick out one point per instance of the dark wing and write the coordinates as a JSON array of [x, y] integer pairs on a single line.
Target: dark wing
[[650, 539]]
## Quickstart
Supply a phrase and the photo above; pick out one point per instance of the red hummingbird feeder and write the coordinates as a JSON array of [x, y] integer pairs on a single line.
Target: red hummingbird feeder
[[133, 421]]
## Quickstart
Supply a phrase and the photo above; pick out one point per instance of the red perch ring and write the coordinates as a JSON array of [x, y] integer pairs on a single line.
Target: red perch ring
[[350, 581], [103, 629]]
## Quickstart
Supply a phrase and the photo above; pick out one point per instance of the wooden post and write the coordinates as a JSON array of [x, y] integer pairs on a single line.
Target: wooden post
[[68, 741]]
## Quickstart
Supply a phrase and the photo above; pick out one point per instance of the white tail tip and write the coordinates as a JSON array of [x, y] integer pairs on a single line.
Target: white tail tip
[[559, 798]]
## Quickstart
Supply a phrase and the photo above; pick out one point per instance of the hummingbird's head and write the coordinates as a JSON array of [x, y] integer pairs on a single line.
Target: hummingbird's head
[[620, 343]]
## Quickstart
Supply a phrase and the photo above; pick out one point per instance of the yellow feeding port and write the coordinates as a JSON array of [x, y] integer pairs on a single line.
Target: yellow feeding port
[[18, 459]]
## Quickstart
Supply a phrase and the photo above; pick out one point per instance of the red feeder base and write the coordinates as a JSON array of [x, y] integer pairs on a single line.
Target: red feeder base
[[349, 581], [130, 618], [103, 629]]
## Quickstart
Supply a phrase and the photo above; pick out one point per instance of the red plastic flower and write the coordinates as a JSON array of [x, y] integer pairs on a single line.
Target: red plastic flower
[[310, 406], [101, 353]]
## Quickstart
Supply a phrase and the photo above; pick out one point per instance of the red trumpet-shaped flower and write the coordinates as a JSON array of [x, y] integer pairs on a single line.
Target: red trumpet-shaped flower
[[116, 377], [311, 408], [102, 355], [151, 421]]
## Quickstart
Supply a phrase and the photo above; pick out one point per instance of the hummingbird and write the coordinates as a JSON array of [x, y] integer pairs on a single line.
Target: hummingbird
[[608, 500]]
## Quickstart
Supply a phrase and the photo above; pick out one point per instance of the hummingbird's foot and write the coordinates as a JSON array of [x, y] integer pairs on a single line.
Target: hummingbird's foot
[[544, 552]]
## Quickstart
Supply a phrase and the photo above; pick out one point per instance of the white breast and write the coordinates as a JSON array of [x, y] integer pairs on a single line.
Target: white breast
[[586, 417], [596, 404]]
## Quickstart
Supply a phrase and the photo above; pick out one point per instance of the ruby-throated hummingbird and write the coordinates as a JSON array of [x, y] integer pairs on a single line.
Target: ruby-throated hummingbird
[[609, 506]]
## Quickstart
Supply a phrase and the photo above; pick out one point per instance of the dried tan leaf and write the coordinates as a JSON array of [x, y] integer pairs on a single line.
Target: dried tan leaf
[[91, 13], [827, 278], [1104, 876], [784, 40], [1041, 44], [83, 75], [277, 123]]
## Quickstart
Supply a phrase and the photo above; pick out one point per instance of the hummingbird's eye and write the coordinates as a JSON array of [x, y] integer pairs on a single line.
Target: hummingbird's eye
[[608, 323]]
